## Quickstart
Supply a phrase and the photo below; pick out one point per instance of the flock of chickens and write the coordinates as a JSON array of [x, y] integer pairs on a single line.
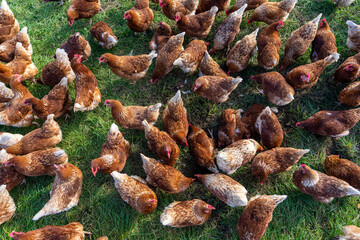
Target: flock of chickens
[[35, 154]]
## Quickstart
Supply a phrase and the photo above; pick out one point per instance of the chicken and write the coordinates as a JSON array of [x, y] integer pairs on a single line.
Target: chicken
[[224, 188], [231, 128], [350, 95], [7, 49], [80, 9], [7, 205], [276, 160], [87, 93], [353, 40], [199, 25], [239, 56], [269, 129], [6, 94], [206, 5], [164, 176], [38, 163], [114, 153], [65, 192], [349, 70], [42, 138], [209, 67], [9, 139], [190, 58], [202, 148], [299, 41], [15, 113], [8, 175], [331, 123], [188, 213], [271, 12], [306, 76], [324, 43], [250, 116], [269, 44], [216, 89], [140, 16], [132, 116], [77, 45], [104, 34], [251, 4], [21, 64], [171, 7], [257, 215], [71, 231], [57, 102], [321, 187], [9, 25], [350, 232], [135, 192], [227, 31], [167, 55], [236, 155], [275, 88], [161, 37], [132, 68], [175, 119]]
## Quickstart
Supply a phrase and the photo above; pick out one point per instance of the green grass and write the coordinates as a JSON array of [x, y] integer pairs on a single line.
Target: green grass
[[103, 212]]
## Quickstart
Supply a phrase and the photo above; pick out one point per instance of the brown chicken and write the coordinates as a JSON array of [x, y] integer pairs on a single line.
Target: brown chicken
[[7, 205], [202, 148], [164, 176], [9, 25], [275, 88], [353, 40], [239, 56], [216, 89], [350, 95], [140, 16], [324, 43], [269, 128], [269, 44], [104, 34], [349, 70], [65, 192], [42, 138], [175, 119], [270, 12], [331, 123], [321, 187], [8, 175], [130, 67], [299, 41], [350, 232], [276, 160], [132, 116], [206, 5], [16, 114], [114, 153], [199, 25], [161, 37], [209, 67], [224, 188], [80, 9], [231, 128], [251, 4], [250, 116], [171, 7], [135, 192], [227, 31], [190, 58], [257, 215], [6, 94], [7, 49], [306, 76], [188, 213], [77, 45]]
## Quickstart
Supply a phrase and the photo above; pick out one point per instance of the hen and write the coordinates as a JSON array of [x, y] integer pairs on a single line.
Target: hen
[[350, 232], [188, 213], [270, 12], [140, 16], [171, 7], [209, 67], [324, 43], [80, 9], [8, 175], [9, 25], [353, 40], [65, 192], [161, 37], [349, 70], [77, 45], [6, 94], [350, 95], [132, 116], [7, 49], [190, 58], [250, 116], [7, 205], [321, 187], [251, 4], [206, 5], [104, 34], [135, 192]]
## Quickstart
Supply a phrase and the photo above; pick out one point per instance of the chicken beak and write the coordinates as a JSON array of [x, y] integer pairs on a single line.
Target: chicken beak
[[94, 171], [211, 207], [71, 22]]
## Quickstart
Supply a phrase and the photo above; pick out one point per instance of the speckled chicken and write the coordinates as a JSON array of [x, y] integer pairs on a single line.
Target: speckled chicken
[[257, 215], [250, 116], [9, 25], [7, 49], [206, 5], [274, 161], [80, 9], [237, 154], [251, 4], [164, 176], [324, 43], [190, 58], [224, 188], [171, 7], [353, 40], [104, 34], [135, 192], [349, 70], [270, 12], [139, 17], [65, 192], [132, 116], [331, 123], [350, 95], [161, 37], [9, 139], [350, 232], [7, 205], [209, 67], [114, 153], [8, 175], [321, 187], [188, 213], [77, 45], [239, 56], [6, 94]]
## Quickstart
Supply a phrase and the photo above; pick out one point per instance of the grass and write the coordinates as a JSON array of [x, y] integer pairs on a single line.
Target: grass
[[103, 212]]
